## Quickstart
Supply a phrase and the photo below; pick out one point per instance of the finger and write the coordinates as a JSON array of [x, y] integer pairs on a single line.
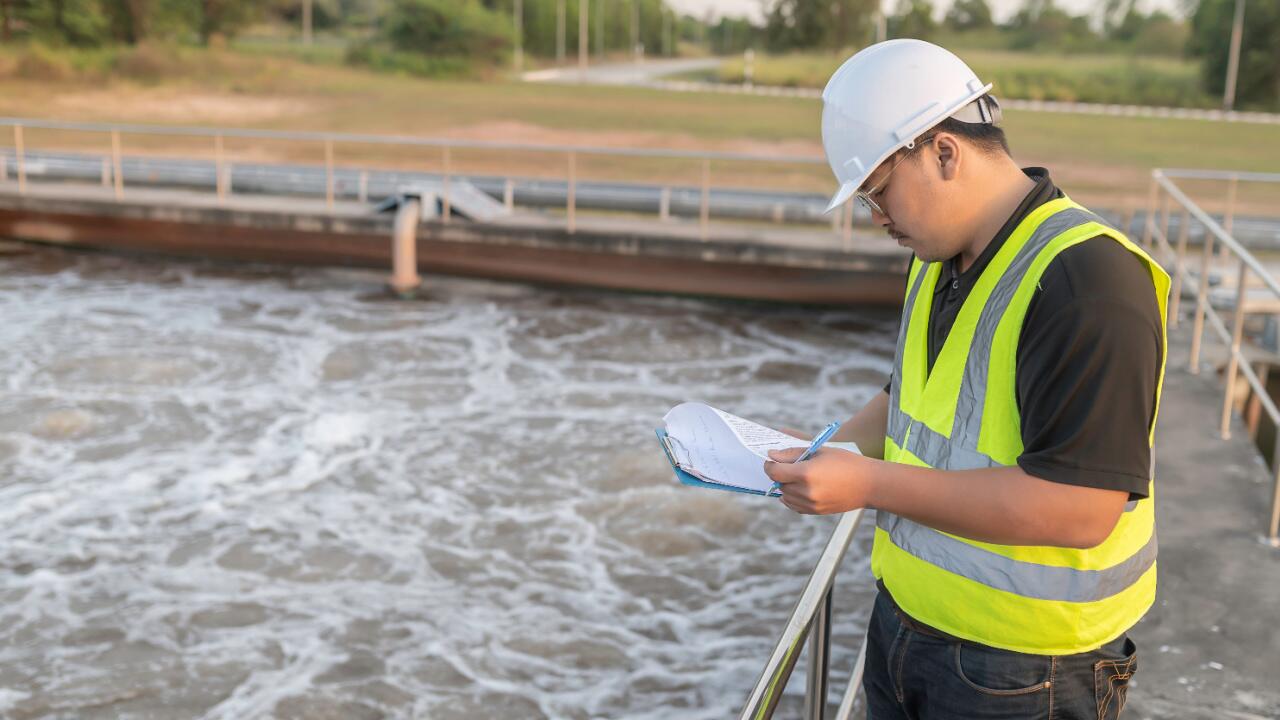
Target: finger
[[788, 455], [784, 472]]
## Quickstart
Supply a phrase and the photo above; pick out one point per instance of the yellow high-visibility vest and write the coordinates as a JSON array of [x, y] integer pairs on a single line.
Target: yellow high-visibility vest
[[964, 414]]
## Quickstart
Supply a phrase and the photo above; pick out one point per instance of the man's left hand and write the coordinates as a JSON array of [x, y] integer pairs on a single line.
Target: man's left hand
[[832, 481]]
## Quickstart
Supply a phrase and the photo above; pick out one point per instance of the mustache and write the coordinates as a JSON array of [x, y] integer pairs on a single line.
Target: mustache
[[893, 233]]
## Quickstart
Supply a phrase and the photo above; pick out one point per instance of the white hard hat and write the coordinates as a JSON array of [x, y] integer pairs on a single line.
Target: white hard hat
[[885, 96]]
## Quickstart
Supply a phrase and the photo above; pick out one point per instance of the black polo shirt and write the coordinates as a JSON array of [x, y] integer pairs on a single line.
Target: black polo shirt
[[1089, 356]]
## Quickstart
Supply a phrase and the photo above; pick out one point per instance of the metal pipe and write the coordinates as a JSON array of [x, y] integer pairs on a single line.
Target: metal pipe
[[1233, 365], [773, 678], [404, 248], [855, 680], [704, 210], [571, 201], [4, 168], [363, 192], [328, 173], [1179, 269], [1275, 499], [1202, 301], [117, 174], [815, 696], [106, 172], [508, 194], [664, 204]]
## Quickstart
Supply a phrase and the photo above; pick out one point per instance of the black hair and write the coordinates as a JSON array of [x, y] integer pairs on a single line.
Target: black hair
[[989, 139]]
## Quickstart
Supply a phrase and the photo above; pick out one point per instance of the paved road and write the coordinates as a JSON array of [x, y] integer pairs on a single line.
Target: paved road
[[642, 73]]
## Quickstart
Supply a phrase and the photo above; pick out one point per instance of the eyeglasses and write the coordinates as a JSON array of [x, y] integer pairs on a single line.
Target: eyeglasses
[[865, 196]]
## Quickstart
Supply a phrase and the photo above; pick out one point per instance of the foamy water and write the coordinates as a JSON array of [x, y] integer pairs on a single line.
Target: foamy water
[[240, 493]]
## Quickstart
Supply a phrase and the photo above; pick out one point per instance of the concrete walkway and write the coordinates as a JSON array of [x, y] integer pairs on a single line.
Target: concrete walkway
[[1210, 648]]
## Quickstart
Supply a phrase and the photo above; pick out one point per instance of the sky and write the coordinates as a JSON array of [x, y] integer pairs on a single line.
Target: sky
[[1001, 8]]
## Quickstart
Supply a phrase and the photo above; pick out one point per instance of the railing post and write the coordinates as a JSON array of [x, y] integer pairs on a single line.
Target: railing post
[[815, 696], [1164, 222], [20, 151], [219, 169], [1202, 299], [116, 165], [4, 168], [1149, 220], [704, 208], [328, 173], [571, 202], [846, 233], [446, 203], [363, 191], [1179, 267], [404, 248], [664, 204], [1272, 536], [106, 172], [1233, 363], [508, 195], [1229, 214]]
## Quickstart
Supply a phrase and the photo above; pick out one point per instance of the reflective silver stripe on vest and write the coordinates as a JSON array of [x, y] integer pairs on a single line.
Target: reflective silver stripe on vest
[[1026, 579], [960, 450], [897, 423]]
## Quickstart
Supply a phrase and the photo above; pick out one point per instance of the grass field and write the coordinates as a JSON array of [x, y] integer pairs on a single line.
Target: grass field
[[1097, 159], [1104, 78]]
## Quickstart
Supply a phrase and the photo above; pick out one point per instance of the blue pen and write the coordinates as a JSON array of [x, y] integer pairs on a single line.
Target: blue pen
[[818, 441]]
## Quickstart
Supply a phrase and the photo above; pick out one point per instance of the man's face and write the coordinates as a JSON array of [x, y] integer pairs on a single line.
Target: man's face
[[912, 198]]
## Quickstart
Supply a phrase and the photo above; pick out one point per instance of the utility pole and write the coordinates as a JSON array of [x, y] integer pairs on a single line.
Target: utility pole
[[1233, 59], [599, 29], [635, 29], [559, 32], [518, 20], [582, 37], [306, 22], [666, 32]]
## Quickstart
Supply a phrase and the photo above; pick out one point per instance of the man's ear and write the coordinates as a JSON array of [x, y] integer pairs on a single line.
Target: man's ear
[[949, 155]]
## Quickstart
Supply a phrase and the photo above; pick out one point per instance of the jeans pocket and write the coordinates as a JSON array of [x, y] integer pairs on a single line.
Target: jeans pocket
[[1002, 672], [1111, 682]]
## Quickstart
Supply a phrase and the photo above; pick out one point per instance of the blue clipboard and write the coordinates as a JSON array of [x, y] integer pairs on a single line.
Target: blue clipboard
[[687, 479]]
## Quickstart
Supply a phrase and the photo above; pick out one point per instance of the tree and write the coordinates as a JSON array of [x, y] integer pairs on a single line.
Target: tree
[[1258, 82], [969, 15], [223, 17], [460, 28], [914, 19], [812, 24]]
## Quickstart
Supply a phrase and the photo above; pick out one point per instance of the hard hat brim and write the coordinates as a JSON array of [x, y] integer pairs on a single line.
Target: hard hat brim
[[846, 191]]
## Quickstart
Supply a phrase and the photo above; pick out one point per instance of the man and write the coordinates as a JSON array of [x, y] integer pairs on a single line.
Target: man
[[1009, 459]]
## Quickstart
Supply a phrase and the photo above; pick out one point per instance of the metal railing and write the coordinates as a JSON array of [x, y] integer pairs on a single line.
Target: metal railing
[[841, 222], [1249, 272], [810, 620]]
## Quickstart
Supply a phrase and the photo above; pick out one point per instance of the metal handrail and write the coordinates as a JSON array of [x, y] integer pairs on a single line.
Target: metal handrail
[[411, 140], [810, 619], [841, 222], [1163, 192]]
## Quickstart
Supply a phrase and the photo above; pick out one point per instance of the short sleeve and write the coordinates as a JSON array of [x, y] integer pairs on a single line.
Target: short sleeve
[[1089, 359]]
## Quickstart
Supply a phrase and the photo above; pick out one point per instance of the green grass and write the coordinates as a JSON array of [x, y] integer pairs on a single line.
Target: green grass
[[1100, 78]]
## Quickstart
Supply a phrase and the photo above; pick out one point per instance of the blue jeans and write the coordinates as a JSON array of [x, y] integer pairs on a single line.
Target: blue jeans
[[911, 675]]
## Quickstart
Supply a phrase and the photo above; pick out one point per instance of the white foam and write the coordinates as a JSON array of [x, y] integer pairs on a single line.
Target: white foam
[[220, 486]]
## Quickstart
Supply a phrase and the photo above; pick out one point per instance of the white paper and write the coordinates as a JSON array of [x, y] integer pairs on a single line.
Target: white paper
[[723, 448]]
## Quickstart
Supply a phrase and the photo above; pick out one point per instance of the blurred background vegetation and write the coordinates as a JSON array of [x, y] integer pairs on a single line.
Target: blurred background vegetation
[[1116, 54]]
